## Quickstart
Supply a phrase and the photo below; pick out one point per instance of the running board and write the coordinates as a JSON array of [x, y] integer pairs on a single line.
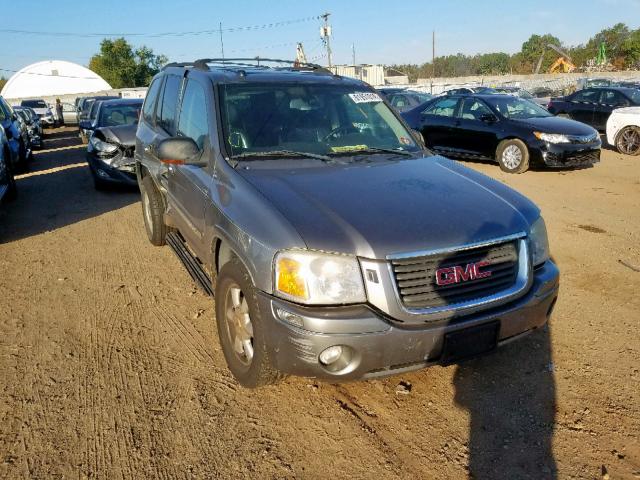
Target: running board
[[190, 262]]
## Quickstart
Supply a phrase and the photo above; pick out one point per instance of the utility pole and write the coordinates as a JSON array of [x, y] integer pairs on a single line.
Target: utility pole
[[221, 41], [325, 33], [353, 53], [433, 59]]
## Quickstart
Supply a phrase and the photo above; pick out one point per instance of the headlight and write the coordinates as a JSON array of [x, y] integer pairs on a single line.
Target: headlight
[[552, 137], [539, 242], [318, 278], [103, 149]]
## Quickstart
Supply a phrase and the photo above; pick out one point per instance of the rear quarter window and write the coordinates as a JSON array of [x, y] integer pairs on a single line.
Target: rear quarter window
[[151, 99]]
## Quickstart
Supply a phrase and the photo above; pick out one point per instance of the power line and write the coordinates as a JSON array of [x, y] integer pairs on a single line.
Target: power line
[[162, 34]]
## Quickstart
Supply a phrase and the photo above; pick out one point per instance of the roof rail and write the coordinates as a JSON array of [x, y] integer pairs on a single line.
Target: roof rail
[[203, 64]]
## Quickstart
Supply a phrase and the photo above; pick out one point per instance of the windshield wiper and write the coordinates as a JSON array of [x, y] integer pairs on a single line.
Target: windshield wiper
[[281, 153], [371, 151]]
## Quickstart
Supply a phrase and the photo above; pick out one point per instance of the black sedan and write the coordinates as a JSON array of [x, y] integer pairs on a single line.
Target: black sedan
[[112, 142], [594, 105], [512, 131]]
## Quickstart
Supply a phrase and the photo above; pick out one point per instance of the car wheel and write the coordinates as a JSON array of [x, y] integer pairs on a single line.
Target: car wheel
[[513, 156], [22, 157], [153, 212], [12, 190], [240, 328], [628, 141]]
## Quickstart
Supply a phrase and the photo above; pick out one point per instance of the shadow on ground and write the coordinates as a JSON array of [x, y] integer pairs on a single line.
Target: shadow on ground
[[57, 190]]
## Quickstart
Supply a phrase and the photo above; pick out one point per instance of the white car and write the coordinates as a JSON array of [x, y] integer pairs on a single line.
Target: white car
[[623, 130], [42, 110]]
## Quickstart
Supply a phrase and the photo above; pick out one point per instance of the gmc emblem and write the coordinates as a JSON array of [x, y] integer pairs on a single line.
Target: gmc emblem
[[457, 274]]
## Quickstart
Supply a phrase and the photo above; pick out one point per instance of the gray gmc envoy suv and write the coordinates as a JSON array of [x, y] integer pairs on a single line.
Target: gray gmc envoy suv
[[335, 245]]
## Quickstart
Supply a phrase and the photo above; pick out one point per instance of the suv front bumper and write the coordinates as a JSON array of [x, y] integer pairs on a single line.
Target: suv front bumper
[[378, 347]]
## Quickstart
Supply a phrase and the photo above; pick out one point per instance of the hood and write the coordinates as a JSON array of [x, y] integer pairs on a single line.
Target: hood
[[124, 135], [557, 125], [627, 111], [377, 209]]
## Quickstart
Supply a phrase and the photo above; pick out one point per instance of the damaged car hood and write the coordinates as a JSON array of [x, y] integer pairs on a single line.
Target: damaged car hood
[[380, 208], [124, 135]]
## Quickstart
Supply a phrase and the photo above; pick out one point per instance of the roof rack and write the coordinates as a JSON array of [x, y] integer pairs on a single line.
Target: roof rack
[[255, 62]]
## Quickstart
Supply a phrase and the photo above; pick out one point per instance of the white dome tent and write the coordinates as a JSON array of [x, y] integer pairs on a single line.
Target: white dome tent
[[53, 78]]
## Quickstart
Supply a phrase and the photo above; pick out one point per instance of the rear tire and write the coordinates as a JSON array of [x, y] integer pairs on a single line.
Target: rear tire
[[628, 141], [153, 212], [513, 156], [241, 330]]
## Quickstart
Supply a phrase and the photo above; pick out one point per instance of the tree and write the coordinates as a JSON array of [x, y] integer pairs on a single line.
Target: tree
[[3, 82], [533, 48], [122, 66]]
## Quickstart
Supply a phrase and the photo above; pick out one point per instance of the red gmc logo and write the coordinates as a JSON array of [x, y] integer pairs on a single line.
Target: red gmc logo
[[457, 274]]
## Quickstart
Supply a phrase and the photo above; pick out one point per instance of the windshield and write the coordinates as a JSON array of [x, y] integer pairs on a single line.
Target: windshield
[[516, 108], [34, 103], [86, 106], [525, 94], [113, 116], [311, 119], [93, 113]]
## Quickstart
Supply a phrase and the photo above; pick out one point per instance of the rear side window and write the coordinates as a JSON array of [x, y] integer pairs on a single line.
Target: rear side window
[[150, 101], [611, 97], [193, 122], [167, 116], [444, 108], [587, 96]]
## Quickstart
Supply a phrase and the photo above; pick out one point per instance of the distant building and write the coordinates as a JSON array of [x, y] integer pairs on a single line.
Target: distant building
[[376, 75], [53, 78]]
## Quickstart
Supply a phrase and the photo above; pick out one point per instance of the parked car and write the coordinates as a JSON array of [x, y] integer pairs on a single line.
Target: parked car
[[583, 83], [43, 111], [594, 105], [623, 130], [629, 84], [111, 145], [17, 136], [69, 114], [336, 246], [8, 189], [407, 100], [514, 132], [518, 92], [85, 110], [32, 123], [464, 90]]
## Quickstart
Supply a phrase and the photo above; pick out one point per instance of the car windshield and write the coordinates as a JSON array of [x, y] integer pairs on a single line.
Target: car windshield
[[93, 113], [525, 94], [309, 119], [113, 116], [516, 108], [88, 103], [34, 103]]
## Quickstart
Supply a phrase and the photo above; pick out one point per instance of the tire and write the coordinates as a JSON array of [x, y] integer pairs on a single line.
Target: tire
[[22, 158], [153, 212], [241, 329], [513, 156], [12, 190], [628, 141]]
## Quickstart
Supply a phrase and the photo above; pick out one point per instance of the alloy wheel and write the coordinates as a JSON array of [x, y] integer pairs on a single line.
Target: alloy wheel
[[512, 157], [629, 142], [238, 324]]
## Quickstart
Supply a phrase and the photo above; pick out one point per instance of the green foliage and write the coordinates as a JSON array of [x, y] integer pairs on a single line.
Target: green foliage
[[3, 82], [622, 45], [122, 66]]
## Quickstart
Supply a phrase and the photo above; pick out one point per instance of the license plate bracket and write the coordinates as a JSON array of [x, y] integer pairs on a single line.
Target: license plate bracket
[[470, 342]]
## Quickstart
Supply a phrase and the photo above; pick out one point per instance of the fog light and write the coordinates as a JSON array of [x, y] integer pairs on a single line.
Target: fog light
[[289, 317], [331, 354]]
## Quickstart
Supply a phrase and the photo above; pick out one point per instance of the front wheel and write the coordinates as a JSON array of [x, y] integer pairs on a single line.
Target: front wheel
[[240, 328], [628, 141], [513, 156], [153, 212]]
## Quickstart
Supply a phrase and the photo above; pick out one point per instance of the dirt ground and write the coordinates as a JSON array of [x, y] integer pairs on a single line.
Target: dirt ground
[[110, 365]]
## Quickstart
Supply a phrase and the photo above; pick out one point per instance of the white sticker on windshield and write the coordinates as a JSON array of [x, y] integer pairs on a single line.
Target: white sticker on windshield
[[365, 97]]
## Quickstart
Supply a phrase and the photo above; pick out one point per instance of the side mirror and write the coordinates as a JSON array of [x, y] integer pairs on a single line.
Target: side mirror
[[180, 151], [488, 118], [85, 125]]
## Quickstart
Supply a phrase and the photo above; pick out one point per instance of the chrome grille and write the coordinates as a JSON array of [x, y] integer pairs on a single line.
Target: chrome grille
[[416, 277]]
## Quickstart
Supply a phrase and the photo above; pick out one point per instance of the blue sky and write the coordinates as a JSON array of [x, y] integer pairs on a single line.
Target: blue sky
[[380, 32]]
